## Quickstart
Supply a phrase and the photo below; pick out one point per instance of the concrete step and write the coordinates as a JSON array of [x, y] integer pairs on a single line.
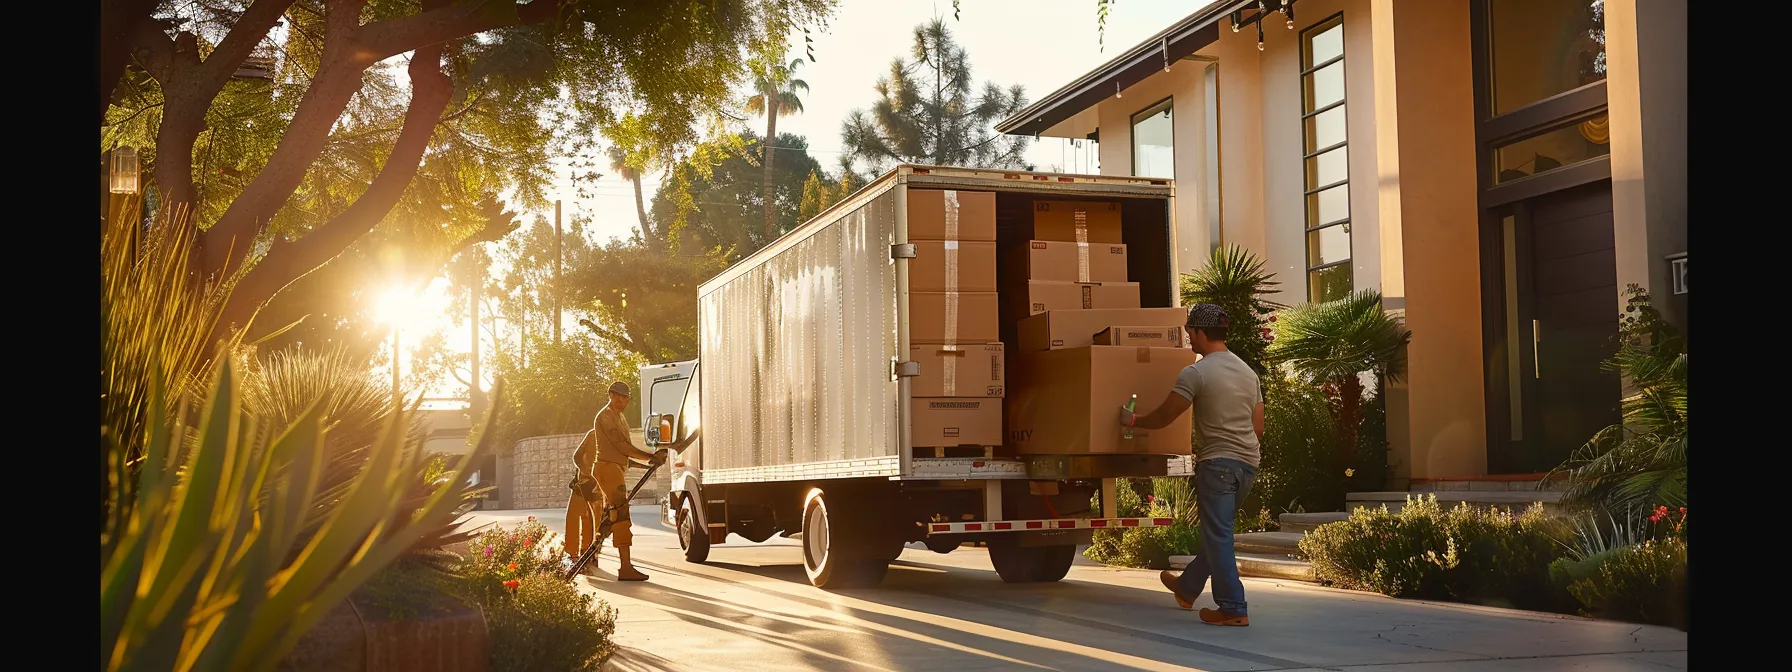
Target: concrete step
[[1261, 566], [1501, 483], [1268, 543], [1306, 522], [1395, 501]]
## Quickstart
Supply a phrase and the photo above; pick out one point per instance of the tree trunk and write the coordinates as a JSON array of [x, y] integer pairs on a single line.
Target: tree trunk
[[119, 19], [653, 237], [1347, 417], [771, 136]]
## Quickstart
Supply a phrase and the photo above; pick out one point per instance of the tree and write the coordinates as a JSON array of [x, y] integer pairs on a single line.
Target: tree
[[1234, 279], [717, 201], [776, 89], [1333, 343], [631, 171], [579, 59], [926, 112]]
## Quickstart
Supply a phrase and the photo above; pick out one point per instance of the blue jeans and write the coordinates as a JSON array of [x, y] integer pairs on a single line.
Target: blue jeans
[[1221, 484]]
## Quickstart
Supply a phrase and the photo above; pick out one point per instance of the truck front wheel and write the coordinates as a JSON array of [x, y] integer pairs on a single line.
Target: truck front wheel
[[1028, 564], [833, 556], [693, 540]]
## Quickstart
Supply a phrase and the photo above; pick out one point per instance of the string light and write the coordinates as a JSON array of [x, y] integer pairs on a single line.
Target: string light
[[1117, 89], [1259, 34]]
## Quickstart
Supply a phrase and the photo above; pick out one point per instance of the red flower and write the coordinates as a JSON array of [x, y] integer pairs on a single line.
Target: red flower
[[512, 584], [1682, 510], [1655, 518], [1150, 499], [511, 567], [531, 517]]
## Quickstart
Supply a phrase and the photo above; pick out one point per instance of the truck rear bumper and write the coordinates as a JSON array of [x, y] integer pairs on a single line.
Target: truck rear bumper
[[983, 527]]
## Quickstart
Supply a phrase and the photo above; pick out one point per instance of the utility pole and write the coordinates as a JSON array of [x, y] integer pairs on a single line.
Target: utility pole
[[558, 237]]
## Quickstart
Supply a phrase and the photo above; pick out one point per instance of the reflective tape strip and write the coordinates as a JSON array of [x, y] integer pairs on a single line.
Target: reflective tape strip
[[1052, 524]]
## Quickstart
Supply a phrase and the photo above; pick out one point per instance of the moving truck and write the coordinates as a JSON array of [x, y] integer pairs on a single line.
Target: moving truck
[[855, 389]]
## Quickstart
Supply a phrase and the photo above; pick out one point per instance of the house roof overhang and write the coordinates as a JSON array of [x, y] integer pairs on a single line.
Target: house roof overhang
[[1145, 59]]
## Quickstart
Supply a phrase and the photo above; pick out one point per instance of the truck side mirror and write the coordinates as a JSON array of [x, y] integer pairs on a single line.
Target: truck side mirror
[[665, 428]]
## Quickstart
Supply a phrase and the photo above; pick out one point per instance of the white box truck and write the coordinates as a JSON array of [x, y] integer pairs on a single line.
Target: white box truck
[[801, 394]]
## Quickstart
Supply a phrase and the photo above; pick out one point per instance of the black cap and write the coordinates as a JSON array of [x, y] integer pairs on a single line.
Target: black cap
[[1208, 315], [619, 387]]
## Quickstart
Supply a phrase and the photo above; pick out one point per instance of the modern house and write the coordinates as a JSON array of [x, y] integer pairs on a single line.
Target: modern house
[[1499, 169]]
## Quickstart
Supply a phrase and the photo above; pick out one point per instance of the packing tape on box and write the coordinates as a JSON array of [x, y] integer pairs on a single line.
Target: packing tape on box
[[951, 248], [1088, 297], [949, 370], [1082, 245], [951, 318]]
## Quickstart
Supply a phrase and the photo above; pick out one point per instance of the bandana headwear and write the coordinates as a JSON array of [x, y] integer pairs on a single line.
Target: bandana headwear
[[1208, 315]]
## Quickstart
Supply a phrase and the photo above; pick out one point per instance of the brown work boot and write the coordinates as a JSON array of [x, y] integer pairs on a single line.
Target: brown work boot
[[629, 573], [1218, 617], [1170, 582]]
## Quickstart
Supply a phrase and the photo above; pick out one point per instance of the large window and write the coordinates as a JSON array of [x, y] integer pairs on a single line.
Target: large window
[[1216, 237], [1327, 158], [1540, 48], [1153, 142]]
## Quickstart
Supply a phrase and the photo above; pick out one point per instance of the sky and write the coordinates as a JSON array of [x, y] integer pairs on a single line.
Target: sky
[[1039, 44]]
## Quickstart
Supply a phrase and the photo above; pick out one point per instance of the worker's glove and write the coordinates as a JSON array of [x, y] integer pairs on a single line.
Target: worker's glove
[[1127, 417]]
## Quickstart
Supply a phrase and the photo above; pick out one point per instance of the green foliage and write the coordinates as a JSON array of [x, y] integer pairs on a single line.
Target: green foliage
[[537, 620], [1642, 460], [1645, 582], [720, 206], [1425, 551], [1296, 471], [1149, 547], [926, 112], [1336, 340], [562, 388], [1235, 279], [197, 572]]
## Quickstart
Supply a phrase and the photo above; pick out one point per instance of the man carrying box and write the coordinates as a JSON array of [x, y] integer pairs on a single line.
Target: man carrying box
[[1228, 408]]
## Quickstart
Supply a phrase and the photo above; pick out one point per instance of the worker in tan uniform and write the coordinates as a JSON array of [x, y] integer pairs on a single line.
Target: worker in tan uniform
[[601, 459]]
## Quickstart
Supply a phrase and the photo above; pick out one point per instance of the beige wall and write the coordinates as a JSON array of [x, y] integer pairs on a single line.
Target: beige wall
[[1646, 92]]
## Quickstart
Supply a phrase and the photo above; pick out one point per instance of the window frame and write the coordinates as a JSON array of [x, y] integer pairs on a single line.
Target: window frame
[[1309, 190], [1132, 132]]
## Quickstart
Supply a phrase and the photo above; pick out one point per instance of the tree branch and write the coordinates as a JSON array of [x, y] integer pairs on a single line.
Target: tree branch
[[605, 333], [391, 37], [120, 23], [291, 260]]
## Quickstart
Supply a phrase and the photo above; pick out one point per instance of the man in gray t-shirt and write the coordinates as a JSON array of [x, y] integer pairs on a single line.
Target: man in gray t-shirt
[[1228, 407]]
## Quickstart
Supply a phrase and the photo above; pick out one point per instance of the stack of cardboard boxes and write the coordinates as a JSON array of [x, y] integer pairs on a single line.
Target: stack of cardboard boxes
[[953, 327], [1085, 344]]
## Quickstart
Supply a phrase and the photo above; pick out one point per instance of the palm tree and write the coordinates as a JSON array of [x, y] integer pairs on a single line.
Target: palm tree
[[775, 96], [1332, 343], [1235, 279], [631, 170]]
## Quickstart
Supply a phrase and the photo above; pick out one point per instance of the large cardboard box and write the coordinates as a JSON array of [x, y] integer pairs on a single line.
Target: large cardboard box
[[958, 370], [1150, 337], [1077, 221], [1069, 262], [1068, 401], [956, 421], [975, 312], [953, 266], [1045, 295], [1059, 329], [935, 214]]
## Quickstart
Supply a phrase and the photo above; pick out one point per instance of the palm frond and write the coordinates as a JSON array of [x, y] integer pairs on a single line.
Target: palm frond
[[1335, 339]]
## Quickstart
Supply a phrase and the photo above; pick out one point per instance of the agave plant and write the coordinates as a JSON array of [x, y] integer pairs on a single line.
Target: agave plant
[[1640, 462], [1333, 343], [1235, 279], [196, 569]]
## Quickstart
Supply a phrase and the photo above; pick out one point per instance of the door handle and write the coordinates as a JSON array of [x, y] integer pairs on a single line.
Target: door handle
[[1536, 349]]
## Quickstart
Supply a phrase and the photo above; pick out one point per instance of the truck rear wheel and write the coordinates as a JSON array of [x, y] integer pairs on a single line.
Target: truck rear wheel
[[833, 554], [1028, 564], [693, 540]]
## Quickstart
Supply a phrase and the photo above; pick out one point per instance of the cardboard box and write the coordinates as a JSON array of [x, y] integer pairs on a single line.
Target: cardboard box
[[930, 215], [1149, 337], [1077, 221], [958, 370], [1070, 401], [956, 421], [976, 313], [1059, 329], [1046, 295], [1069, 262], [974, 263]]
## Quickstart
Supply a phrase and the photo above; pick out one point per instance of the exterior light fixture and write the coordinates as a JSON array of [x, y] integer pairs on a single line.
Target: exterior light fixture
[[124, 170]]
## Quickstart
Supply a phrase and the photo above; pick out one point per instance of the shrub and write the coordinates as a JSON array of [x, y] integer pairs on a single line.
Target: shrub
[[1296, 472], [1334, 344], [1150, 547], [1644, 583], [1424, 551], [537, 620]]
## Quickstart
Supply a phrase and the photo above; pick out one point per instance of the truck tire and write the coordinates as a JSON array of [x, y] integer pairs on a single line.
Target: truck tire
[[833, 556], [694, 541], [1029, 564], [942, 545]]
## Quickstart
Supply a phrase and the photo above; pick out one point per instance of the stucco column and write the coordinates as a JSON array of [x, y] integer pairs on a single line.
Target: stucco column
[[1429, 243], [1645, 51]]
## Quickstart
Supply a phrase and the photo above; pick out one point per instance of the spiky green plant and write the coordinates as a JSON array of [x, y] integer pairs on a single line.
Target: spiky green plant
[[1332, 343], [1235, 279], [1641, 462], [196, 569]]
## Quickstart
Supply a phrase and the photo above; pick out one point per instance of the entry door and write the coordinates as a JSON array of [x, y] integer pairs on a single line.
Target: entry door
[[1561, 310]]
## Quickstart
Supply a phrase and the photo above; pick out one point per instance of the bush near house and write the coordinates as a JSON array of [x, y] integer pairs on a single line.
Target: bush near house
[[537, 620], [1425, 551], [1627, 568]]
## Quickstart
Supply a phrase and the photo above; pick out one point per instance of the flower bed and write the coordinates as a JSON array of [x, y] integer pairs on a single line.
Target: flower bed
[[537, 620]]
